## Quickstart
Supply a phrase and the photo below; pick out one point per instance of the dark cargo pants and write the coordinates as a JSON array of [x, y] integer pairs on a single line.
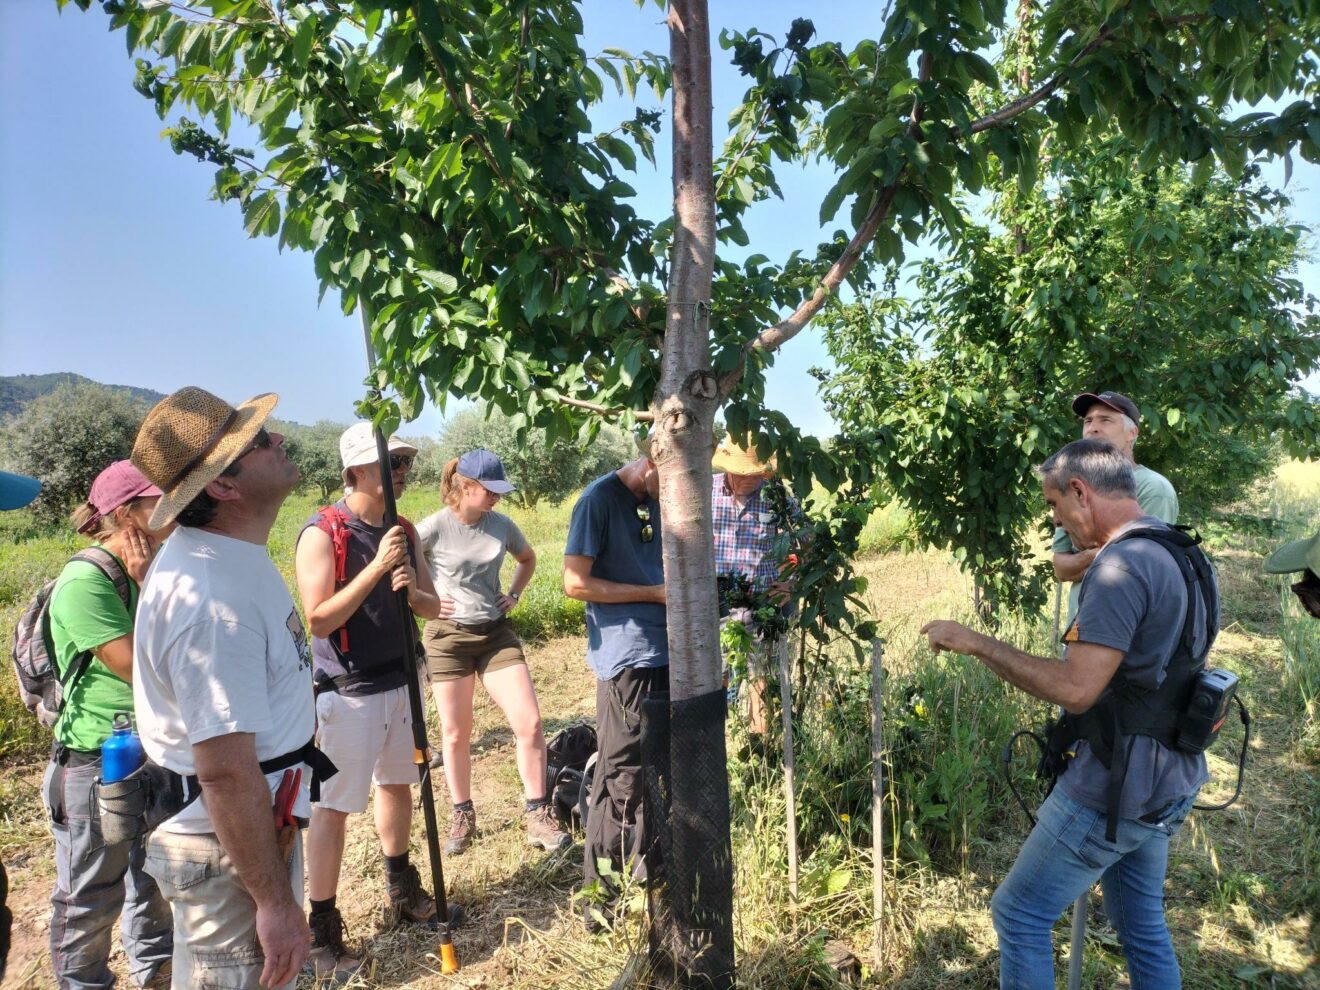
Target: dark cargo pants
[[616, 826]]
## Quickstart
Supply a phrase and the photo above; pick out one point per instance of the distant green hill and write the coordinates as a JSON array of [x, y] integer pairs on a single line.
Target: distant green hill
[[16, 391]]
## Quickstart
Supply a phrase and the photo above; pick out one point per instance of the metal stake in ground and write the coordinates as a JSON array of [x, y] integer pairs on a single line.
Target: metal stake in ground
[[878, 800], [1078, 943], [790, 787], [448, 958]]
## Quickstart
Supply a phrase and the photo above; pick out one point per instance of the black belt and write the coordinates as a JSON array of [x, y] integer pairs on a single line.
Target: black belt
[[479, 628], [67, 757]]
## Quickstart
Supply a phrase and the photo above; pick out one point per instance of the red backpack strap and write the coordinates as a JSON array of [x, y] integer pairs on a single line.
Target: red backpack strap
[[331, 520]]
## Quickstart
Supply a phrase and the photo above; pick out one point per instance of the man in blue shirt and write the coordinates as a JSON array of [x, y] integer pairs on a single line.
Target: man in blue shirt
[[1122, 645], [613, 562]]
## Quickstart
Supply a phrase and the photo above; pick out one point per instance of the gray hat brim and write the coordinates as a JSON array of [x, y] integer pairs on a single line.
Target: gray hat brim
[[1299, 555]]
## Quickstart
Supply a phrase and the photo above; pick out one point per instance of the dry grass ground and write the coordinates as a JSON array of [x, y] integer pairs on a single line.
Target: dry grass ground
[[1241, 892]]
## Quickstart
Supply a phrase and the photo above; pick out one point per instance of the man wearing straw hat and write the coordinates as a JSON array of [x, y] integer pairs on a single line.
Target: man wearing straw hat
[[749, 545], [222, 689]]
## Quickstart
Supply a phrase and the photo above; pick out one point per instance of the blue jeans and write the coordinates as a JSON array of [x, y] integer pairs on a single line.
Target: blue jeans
[[95, 884], [1062, 858]]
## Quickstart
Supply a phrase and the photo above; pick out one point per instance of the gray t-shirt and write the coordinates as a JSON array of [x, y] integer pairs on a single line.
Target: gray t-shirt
[[1155, 496], [465, 560], [1134, 599]]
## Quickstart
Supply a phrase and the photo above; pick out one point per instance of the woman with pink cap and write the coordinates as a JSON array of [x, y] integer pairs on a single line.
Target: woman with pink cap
[[90, 633]]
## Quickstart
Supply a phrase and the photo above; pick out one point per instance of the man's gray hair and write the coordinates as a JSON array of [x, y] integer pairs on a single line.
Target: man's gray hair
[[1096, 462]]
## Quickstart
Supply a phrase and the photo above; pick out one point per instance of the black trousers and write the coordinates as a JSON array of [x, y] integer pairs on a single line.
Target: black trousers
[[616, 826]]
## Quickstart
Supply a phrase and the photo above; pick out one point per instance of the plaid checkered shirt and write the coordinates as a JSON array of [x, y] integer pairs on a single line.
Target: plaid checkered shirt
[[745, 535]]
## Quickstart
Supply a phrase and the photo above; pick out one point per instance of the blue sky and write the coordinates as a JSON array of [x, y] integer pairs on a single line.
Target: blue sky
[[115, 264]]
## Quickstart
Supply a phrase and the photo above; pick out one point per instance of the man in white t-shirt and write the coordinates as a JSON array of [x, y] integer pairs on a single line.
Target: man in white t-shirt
[[1114, 417], [223, 693]]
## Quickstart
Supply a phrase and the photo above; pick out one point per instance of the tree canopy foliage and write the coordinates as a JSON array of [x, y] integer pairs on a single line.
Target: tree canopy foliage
[[1181, 294], [66, 438]]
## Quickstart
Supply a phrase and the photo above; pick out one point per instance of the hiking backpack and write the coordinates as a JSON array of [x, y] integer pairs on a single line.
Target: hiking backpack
[[39, 685], [568, 754]]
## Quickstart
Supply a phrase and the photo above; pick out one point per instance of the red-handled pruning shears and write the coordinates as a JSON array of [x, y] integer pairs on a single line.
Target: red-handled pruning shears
[[286, 795]]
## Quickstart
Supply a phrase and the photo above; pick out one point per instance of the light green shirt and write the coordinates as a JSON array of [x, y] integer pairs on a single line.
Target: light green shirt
[[86, 612], [1155, 496]]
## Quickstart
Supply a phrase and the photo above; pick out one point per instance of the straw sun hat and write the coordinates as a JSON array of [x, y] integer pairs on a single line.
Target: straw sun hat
[[733, 459], [188, 438]]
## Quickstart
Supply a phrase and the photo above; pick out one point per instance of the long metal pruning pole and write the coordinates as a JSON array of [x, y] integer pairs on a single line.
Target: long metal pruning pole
[[448, 957], [780, 648]]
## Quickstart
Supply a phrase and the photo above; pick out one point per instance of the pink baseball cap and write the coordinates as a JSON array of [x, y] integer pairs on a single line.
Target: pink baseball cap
[[117, 485]]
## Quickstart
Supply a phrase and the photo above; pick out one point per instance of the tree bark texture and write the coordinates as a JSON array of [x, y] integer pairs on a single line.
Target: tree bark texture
[[696, 930]]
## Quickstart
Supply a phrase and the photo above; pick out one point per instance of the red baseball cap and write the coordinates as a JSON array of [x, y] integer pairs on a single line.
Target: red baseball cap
[[117, 485], [1114, 400]]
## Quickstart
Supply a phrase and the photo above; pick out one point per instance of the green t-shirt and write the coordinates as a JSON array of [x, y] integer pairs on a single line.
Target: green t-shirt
[[1155, 496], [86, 612]]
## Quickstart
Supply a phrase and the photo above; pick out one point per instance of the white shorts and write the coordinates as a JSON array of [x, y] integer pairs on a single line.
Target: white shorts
[[369, 738]]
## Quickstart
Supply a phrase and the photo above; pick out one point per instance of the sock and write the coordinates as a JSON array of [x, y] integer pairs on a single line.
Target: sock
[[396, 864], [534, 804], [464, 805], [325, 906]]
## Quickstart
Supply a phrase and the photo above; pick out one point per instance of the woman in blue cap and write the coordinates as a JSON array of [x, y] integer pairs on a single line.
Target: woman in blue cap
[[464, 545]]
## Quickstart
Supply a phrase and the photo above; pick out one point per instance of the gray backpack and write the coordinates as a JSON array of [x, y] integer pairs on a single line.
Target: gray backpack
[[40, 687]]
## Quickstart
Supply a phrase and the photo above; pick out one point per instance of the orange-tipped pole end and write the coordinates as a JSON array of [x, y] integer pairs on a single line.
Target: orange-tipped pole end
[[448, 958]]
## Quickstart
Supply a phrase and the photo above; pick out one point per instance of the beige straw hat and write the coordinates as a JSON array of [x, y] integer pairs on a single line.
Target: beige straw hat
[[188, 438], [733, 459]]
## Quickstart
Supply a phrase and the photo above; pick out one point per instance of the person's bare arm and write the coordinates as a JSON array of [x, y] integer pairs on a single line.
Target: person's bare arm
[[422, 596], [239, 803], [522, 577], [314, 564], [579, 584], [117, 655], [1074, 682], [1073, 566]]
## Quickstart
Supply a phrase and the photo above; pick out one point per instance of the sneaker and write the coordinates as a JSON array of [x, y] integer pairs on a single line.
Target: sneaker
[[330, 961], [462, 830], [407, 900], [544, 832]]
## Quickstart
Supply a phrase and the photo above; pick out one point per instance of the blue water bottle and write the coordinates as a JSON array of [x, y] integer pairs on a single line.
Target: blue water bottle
[[121, 754]]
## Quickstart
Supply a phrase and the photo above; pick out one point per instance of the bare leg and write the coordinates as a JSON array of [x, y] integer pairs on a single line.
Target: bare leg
[[511, 689], [454, 701], [325, 852], [393, 817]]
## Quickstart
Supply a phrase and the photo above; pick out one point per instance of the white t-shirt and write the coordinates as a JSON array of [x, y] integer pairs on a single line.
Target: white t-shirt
[[219, 648], [465, 560]]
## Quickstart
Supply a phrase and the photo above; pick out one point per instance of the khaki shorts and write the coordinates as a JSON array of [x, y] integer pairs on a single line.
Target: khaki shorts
[[455, 650], [369, 738]]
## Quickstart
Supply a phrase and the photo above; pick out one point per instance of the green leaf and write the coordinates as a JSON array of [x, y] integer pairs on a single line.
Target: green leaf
[[439, 280]]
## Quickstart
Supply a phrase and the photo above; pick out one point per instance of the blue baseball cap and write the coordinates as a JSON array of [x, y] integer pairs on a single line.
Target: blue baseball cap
[[483, 466], [17, 490]]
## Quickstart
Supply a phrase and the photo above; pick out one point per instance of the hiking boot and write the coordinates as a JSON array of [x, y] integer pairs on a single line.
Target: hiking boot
[[329, 959], [543, 830], [462, 830], [407, 900]]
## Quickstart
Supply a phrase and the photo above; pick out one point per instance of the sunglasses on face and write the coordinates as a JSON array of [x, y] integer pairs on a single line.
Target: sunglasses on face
[[401, 462], [1307, 591], [261, 441], [644, 517]]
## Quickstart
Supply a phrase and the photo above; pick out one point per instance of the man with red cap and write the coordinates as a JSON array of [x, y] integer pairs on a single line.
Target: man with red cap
[[1114, 417]]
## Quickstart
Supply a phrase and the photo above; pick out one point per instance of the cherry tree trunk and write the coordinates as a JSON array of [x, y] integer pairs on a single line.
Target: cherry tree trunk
[[692, 932]]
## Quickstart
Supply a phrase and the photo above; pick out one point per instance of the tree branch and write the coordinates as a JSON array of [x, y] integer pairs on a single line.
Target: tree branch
[[600, 410], [1025, 103]]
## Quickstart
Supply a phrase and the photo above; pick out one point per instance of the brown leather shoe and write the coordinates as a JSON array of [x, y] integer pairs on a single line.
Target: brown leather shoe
[[330, 961], [462, 830], [543, 830], [407, 901]]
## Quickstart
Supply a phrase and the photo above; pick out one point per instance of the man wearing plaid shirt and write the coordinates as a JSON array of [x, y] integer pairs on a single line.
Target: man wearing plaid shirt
[[748, 544]]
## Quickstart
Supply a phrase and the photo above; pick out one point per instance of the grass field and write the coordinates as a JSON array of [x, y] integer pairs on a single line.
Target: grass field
[[1243, 891]]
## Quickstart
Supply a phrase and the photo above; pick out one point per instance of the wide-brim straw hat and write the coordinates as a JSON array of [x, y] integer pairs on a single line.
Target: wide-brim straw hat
[[733, 459], [188, 439]]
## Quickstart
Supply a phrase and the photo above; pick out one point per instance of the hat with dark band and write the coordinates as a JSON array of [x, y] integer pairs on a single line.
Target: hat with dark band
[[188, 439]]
